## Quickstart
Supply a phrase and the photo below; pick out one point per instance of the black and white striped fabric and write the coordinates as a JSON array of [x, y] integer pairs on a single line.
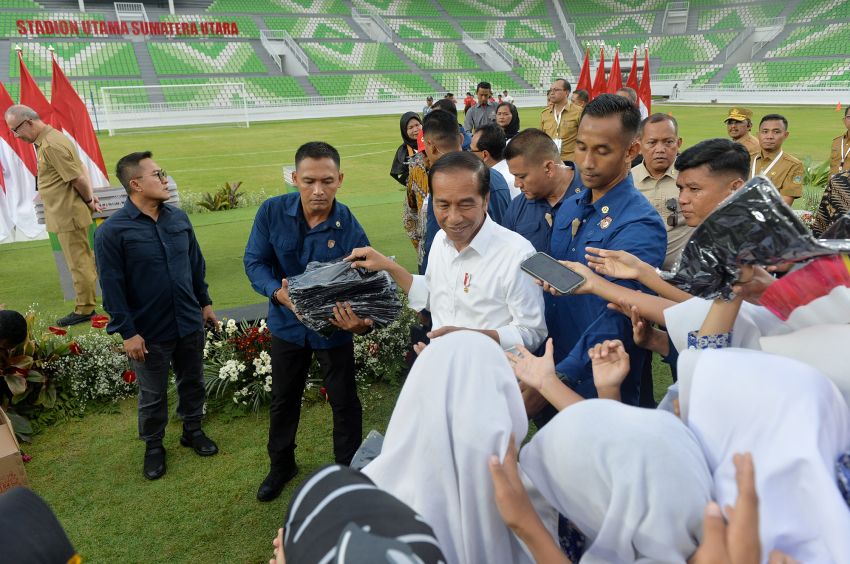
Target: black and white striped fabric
[[338, 515]]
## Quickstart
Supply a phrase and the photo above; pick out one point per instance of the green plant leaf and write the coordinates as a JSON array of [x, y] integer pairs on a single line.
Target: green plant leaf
[[20, 423], [36, 376], [17, 384]]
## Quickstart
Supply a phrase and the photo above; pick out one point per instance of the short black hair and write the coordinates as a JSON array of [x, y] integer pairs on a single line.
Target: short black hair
[[607, 105], [316, 150], [441, 128], [658, 118], [462, 160], [127, 167], [444, 104], [484, 84], [534, 145], [567, 86], [772, 117], [450, 95], [720, 155], [630, 92], [583, 95], [13, 329], [491, 138]]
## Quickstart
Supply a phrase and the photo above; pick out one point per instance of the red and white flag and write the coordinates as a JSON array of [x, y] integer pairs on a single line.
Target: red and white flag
[[645, 90], [632, 81], [19, 170], [71, 114], [32, 96]]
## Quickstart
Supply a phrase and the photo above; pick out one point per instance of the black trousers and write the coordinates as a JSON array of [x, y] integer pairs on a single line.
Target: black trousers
[[186, 356], [290, 365]]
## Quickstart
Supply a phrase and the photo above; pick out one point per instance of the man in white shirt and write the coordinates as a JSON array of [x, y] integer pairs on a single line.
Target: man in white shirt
[[507, 97], [473, 280], [488, 144]]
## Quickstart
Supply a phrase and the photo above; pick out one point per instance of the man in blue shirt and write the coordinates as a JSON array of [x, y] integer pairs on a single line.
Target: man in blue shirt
[[152, 275], [545, 182], [289, 232], [610, 214]]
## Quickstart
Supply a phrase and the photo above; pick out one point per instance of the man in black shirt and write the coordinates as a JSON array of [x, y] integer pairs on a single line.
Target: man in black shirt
[[152, 276]]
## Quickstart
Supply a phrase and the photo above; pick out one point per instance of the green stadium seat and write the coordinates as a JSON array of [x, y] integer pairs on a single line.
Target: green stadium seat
[[611, 6], [738, 17], [494, 8], [375, 86], [625, 24], [259, 91], [79, 58], [90, 90], [413, 8], [820, 11], [814, 41], [280, 7], [801, 73], [423, 29], [697, 74], [675, 48], [246, 25], [204, 57], [21, 4], [460, 82], [312, 28], [510, 29], [348, 55], [437, 55]]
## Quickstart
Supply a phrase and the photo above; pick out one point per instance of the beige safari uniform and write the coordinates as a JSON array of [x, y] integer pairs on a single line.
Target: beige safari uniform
[[658, 192], [836, 158], [565, 132], [750, 142], [786, 175], [65, 213]]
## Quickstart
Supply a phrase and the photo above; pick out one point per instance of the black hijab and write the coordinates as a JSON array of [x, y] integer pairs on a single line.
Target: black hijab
[[399, 170], [512, 128], [29, 531]]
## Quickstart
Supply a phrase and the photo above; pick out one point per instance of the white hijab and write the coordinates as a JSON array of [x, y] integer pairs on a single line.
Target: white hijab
[[460, 405], [795, 423], [633, 480]]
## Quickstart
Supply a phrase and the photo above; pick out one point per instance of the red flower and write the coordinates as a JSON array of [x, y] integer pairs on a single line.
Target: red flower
[[75, 348], [129, 376], [99, 321], [57, 330], [324, 393], [25, 457]]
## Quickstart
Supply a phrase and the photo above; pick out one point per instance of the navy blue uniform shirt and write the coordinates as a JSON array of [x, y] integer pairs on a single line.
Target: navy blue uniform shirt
[[622, 219], [534, 219], [282, 244], [500, 197], [151, 273]]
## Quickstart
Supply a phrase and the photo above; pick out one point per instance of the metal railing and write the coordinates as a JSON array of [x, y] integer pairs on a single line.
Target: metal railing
[[271, 49], [569, 31], [475, 36], [770, 87], [130, 12], [269, 35], [738, 41], [500, 49]]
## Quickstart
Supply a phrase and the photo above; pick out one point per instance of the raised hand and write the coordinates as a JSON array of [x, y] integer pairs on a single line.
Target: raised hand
[[616, 264], [533, 371], [610, 366]]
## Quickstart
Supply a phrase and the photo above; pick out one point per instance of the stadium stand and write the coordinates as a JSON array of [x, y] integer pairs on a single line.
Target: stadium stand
[[437, 55], [279, 6], [423, 29], [261, 91], [611, 6], [814, 41], [89, 90], [459, 82], [477, 8], [510, 29], [625, 24], [408, 8], [678, 48], [797, 73], [821, 10], [312, 28], [204, 57], [79, 58], [21, 4], [738, 17], [350, 56]]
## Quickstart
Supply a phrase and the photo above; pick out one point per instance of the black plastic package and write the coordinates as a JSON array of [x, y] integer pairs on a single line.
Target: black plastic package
[[316, 291], [752, 226], [838, 229]]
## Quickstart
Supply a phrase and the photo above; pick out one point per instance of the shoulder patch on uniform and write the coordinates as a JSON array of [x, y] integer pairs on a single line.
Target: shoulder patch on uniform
[[798, 179]]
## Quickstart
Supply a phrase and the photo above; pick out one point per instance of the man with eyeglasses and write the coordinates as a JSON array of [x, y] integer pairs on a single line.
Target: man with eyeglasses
[[839, 159], [559, 120], [68, 203], [154, 288], [655, 177]]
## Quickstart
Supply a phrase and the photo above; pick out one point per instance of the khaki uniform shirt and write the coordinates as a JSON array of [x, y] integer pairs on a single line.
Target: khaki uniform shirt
[[566, 131], [786, 175], [58, 166], [750, 142], [658, 192], [836, 158]]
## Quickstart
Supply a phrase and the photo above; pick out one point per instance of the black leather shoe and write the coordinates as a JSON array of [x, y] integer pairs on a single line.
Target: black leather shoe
[[73, 319], [273, 484], [202, 444], [154, 467]]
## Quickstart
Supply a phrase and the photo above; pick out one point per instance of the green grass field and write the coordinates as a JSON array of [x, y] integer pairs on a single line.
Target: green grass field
[[204, 509]]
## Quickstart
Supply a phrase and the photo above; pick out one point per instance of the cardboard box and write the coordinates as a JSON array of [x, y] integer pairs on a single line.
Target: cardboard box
[[12, 471]]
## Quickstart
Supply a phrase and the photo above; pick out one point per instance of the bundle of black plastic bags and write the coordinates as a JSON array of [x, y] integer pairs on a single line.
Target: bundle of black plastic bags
[[316, 291]]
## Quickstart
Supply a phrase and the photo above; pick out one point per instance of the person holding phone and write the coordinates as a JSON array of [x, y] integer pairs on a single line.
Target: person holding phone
[[610, 213], [153, 277]]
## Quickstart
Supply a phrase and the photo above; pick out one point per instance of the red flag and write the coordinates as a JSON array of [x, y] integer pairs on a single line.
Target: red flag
[[632, 81], [599, 84], [615, 77], [19, 169], [584, 76], [31, 96], [71, 113], [24, 150], [645, 90]]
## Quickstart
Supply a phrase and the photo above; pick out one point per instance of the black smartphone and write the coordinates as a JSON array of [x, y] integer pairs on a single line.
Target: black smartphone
[[545, 268]]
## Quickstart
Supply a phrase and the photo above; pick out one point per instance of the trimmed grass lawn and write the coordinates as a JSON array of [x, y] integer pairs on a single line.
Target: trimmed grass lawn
[[204, 510]]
